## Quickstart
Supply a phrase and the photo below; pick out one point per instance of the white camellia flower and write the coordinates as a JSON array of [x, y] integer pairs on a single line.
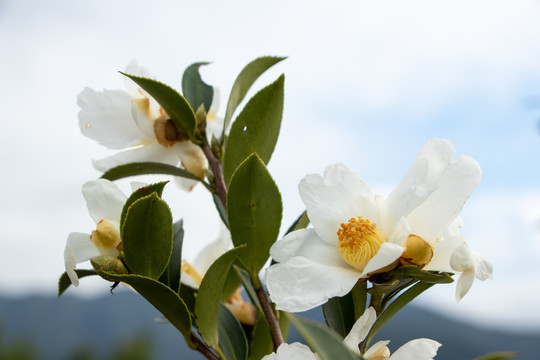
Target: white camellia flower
[[418, 349], [193, 273], [105, 202], [133, 120], [356, 234]]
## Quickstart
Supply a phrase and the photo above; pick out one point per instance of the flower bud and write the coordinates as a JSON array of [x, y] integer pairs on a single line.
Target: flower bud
[[109, 264]]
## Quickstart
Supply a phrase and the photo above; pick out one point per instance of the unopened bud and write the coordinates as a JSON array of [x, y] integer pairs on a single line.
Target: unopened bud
[[109, 264]]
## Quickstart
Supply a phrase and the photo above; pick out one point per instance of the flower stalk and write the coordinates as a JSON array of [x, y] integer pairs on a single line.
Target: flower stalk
[[203, 348], [215, 165], [268, 311]]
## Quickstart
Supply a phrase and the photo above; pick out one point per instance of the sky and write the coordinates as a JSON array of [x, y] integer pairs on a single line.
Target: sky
[[367, 84]]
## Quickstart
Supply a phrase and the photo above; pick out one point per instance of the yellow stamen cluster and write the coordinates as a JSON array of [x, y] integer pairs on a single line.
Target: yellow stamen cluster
[[188, 269], [359, 241], [106, 237]]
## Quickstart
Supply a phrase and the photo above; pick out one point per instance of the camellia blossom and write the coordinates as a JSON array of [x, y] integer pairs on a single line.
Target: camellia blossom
[[105, 202], [417, 349], [134, 120], [193, 273], [356, 234]]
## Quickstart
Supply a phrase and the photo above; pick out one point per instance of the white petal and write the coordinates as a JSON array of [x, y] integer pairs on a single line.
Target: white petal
[[106, 118], [78, 248], [462, 258], [294, 351], [144, 116], [387, 254], [104, 200], [419, 182], [307, 243], [464, 283], [431, 219], [191, 157], [483, 269], [151, 152], [336, 198], [418, 349], [301, 284], [378, 351], [360, 329], [442, 252]]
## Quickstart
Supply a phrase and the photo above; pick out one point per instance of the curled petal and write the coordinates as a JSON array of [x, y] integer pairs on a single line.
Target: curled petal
[[442, 252], [387, 254], [301, 284], [483, 269], [462, 258], [418, 349], [336, 198], [360, 329], [78, 248], [192, 158], [419, 182], [464, 283], [294, 351], [379, 351], [432, 218], [106, 118], [104, 200]]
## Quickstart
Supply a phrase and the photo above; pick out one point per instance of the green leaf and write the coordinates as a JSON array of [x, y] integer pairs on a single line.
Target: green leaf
[[232, 283], [171, 275], [256, 129], [339, 314], [188, 295], [147, 236], [64, 282], [145, 168], [248, 286], [232, 339], [221, 209], [498, 356], [243, 83], [140, 193], [261, 340], [254, 210], [326, 343], [161, 297], [174, 104], [209, 296], [413, 272], [394, 307], [196, 91]]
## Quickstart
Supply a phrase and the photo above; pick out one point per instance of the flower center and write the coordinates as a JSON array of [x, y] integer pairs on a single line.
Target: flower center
[[167, 133], [358, 242], [106, 237]]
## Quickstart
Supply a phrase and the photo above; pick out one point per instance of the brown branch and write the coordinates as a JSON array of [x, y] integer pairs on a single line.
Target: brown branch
[[215, 165], [269, 314], [203, 348]]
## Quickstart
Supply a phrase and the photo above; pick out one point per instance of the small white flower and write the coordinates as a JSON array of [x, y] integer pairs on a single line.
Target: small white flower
[[356, 233], [294, 351], [418, 349], [133, 120], [105, 202]]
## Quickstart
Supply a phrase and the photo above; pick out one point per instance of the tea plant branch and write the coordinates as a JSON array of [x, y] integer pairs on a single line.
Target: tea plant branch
[[215, 165], [269, 314], [203, 348]]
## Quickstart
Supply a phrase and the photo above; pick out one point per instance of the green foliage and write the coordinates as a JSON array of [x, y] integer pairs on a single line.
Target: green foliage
[[339, 314], [232, 339], [140, 193], [326, 343], [254, 210], [171, 275], [174, 104], [196, 91], [208, 298], [161, 297], [145, 168], [256, 129], [413, 272], [64, 282], [498, 356], [243, 82], [261, 339], [147, 236]]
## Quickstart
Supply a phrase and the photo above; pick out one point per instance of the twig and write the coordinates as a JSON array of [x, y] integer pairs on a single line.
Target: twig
[[215, 165], [269, 314], [203, 348]]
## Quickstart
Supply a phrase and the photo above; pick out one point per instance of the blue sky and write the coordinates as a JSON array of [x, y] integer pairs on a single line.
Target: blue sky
[[367, 84]]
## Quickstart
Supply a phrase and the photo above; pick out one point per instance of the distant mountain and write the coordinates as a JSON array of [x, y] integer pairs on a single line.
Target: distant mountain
[[68, 328]]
